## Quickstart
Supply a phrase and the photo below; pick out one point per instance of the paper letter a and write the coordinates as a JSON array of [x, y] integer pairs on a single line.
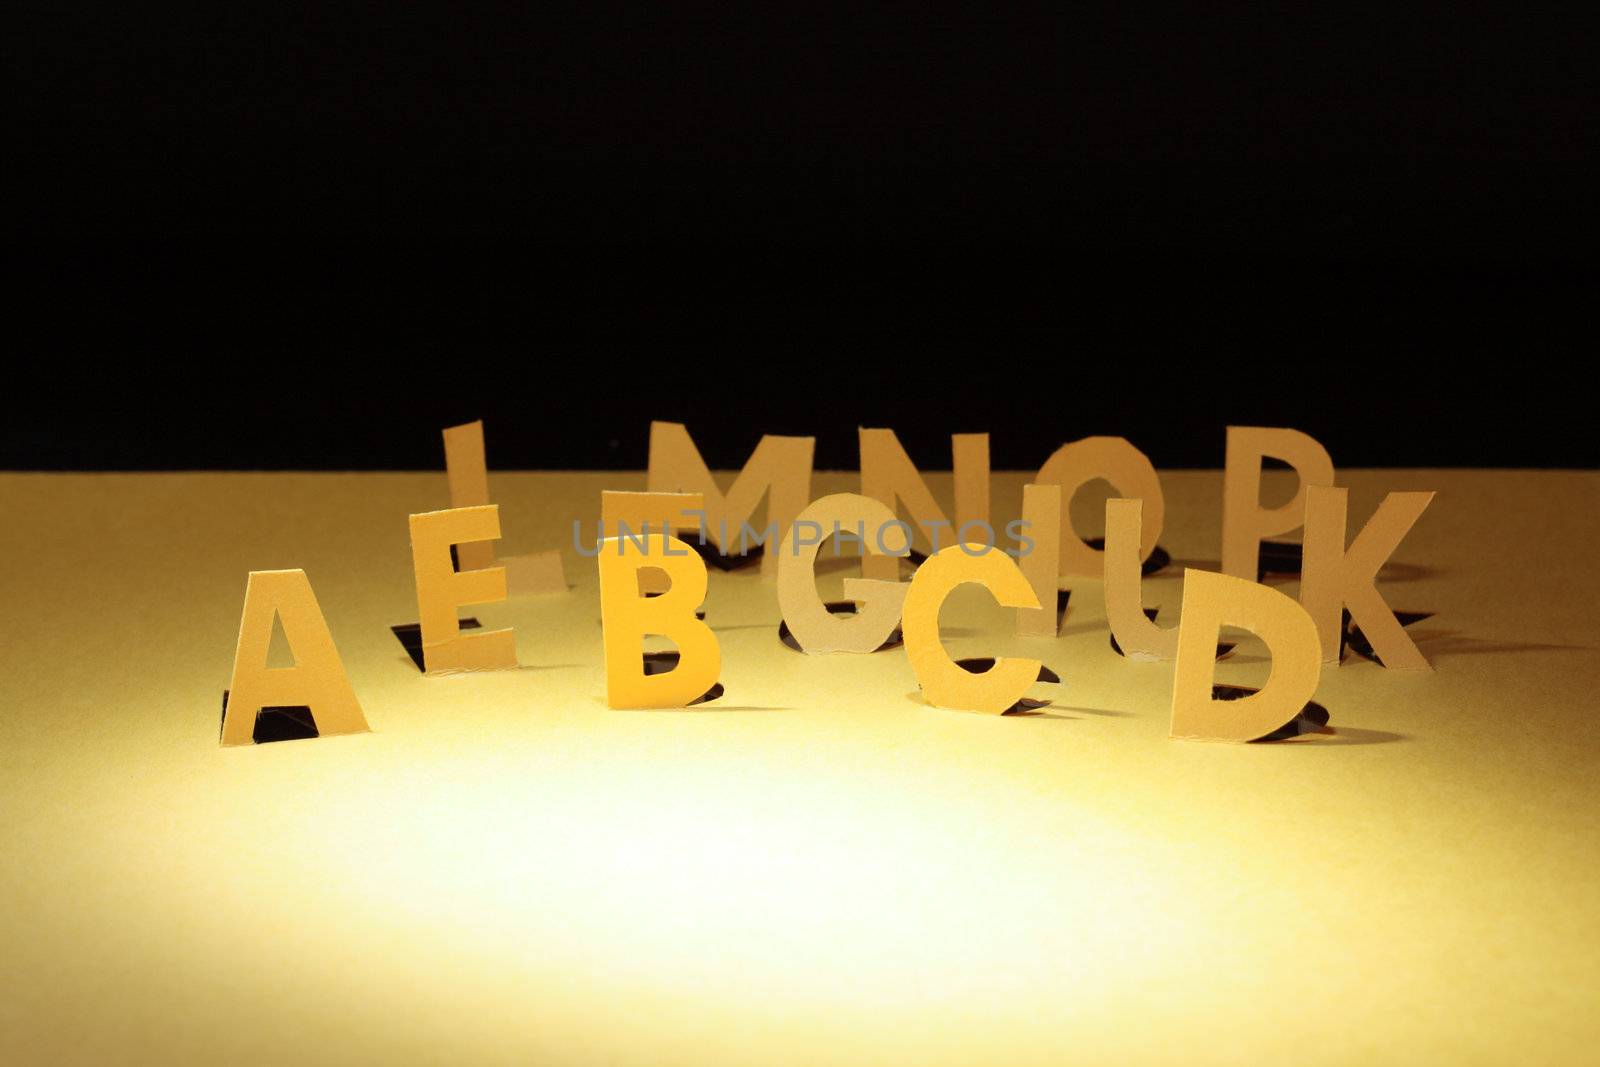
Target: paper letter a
[[317, 679]]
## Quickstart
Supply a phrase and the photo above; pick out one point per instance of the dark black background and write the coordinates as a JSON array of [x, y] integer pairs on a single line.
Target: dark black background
[[310, 236]]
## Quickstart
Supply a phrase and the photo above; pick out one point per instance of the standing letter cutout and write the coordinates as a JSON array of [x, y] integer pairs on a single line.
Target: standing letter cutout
[[624, 513], [1244, 521], [878, 603], [944, 683], [1129, 471], [888, 476], [626, 618], [468, 474], [780, 468], [441, 591], [1333, 577], [317, 679], [1041, 512], [1211, 601], [1137, 636]]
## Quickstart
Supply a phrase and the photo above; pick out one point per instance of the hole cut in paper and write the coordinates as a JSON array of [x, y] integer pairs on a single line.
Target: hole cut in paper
[[1281, 559], [979, 664], [1158, 560], [409, 634], [288, 723], [1354, 640], [664, 662], [725, 561], [1311, 719]]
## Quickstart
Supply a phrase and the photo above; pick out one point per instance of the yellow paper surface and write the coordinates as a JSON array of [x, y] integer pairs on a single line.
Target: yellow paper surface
[[816, 868], [943, 683], [317, 680], [535, 573]]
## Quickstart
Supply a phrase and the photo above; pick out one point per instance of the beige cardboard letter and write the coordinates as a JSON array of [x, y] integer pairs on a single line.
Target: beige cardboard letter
[[1130, 472], [815, 629], [317, 679], [1137, 636], [1244, 521], [626, 618], [780, 468], [1211, 601], [1333, 577], [889, 477], [468, 474], [442, 591], [969, 456], [944, 683], [1041, 565]]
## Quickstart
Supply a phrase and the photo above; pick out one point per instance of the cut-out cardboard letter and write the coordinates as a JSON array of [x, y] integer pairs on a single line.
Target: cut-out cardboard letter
[[816, 629], [442, 591], [1244, 521], [317, 679], [1041, 564], [1135, 633], [1130, 472], [889, 477], [1211, 601], [779, 468], [626, 618], [944, 683], [468, 473], [969, 465], [1333, 577], [630, 514]]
